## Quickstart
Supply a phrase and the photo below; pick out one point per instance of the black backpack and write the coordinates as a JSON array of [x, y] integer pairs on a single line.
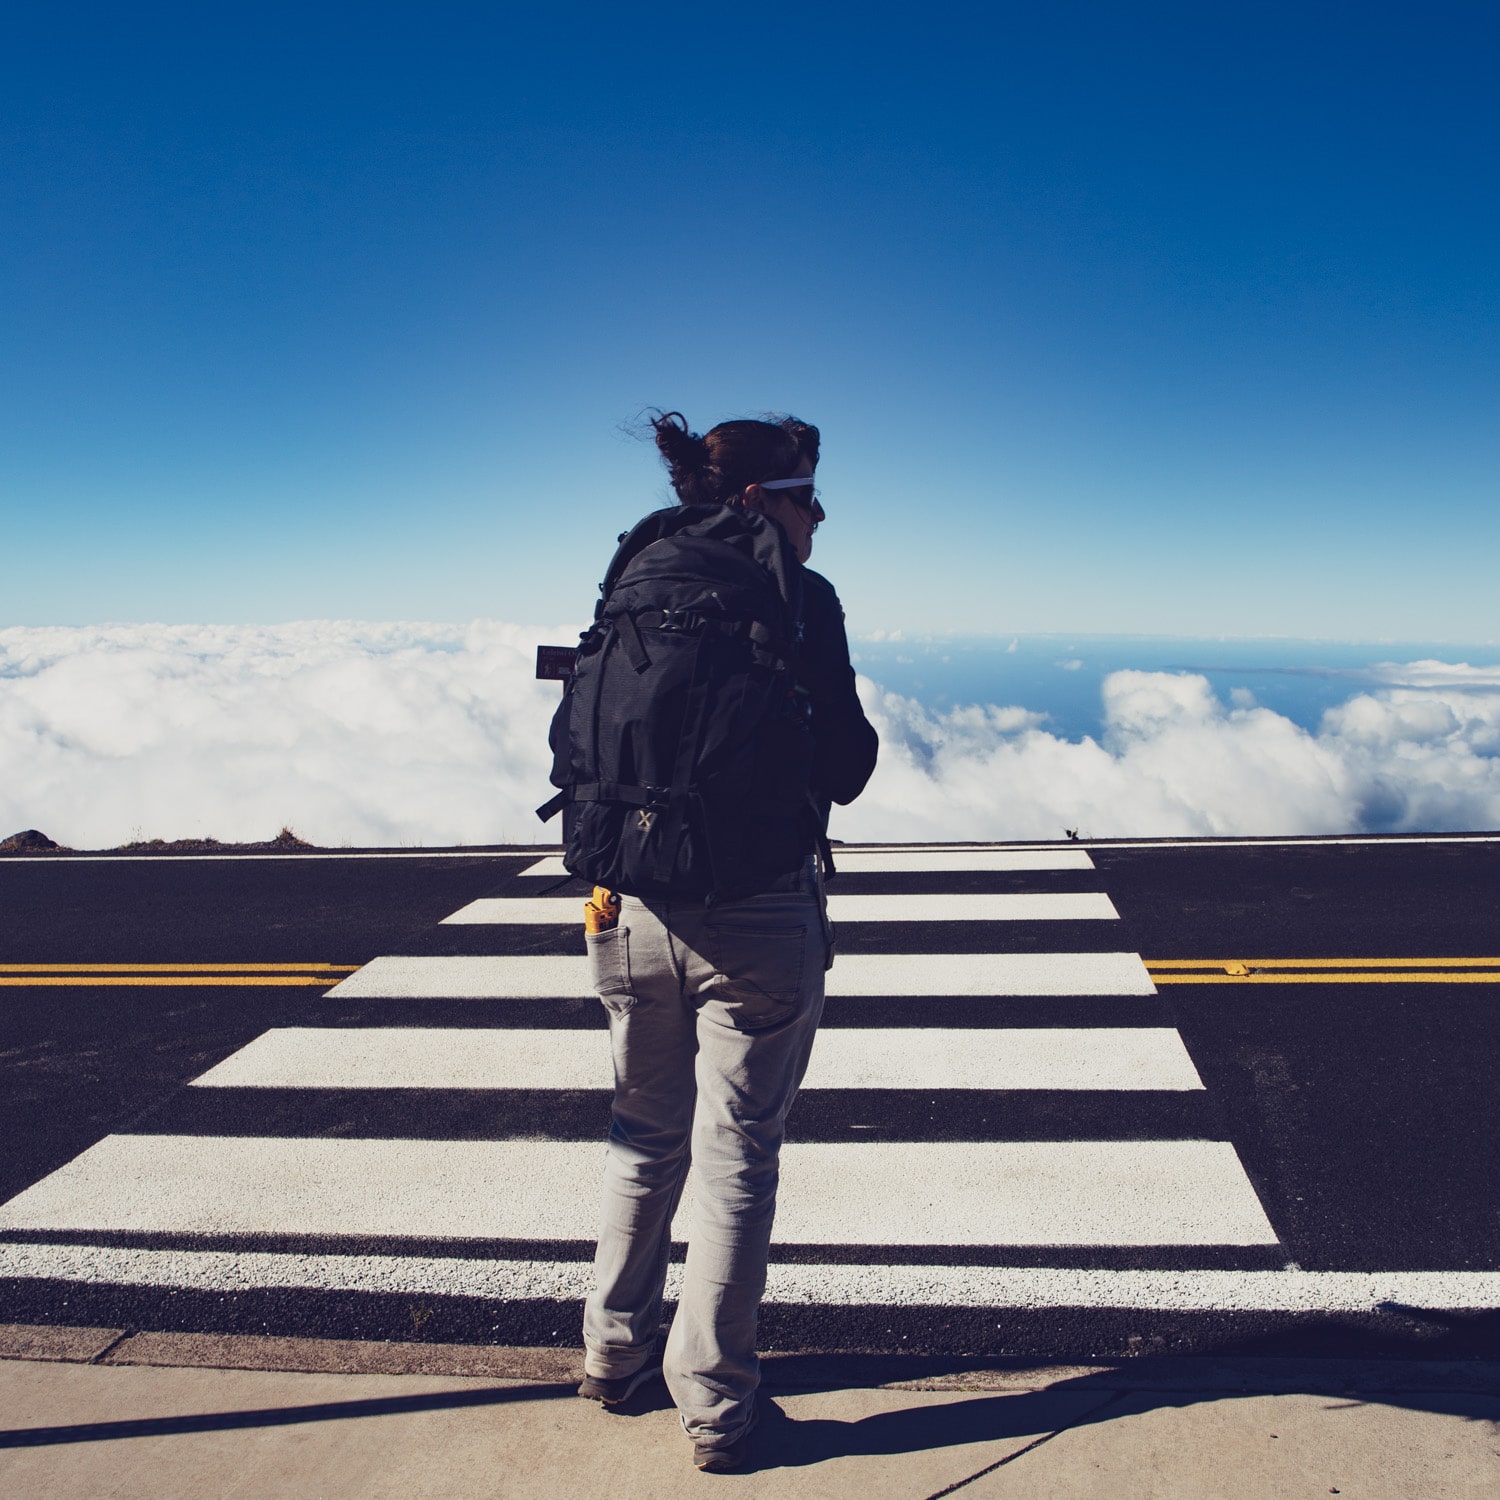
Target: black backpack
[[683, 744]]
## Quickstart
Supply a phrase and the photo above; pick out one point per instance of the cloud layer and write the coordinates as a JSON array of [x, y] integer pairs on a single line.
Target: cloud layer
[[350, 733], [1417, 753], [432, 734]]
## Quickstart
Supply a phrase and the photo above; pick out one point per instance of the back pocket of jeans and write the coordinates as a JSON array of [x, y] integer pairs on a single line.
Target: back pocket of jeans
[[757, 973], [609, 968]]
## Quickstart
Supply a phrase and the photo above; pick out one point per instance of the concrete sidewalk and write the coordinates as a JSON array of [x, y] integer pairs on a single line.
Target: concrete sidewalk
[[97, 1412]]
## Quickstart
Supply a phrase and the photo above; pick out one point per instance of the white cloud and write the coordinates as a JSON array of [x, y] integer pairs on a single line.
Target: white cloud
[[351, 733], [1174, 760], [436, 734], [1445, 674]]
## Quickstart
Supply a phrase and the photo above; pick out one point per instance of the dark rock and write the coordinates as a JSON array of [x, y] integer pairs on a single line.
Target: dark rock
[[26, 841]]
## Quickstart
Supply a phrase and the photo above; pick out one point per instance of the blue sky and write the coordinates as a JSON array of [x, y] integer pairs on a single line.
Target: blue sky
[[1156, 318]]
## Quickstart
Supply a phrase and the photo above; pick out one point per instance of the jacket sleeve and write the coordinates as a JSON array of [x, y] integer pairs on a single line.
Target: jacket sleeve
[[845, 742]]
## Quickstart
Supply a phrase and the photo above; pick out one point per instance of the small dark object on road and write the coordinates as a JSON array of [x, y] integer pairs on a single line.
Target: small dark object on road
[[26, 841]]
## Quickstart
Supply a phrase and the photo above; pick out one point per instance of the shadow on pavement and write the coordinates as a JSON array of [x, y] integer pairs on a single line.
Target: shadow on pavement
[[277, 1416], [787, 1443]]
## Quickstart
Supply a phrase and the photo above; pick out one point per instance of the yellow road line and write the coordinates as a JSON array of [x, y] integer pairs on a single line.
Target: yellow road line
[[175, 968], [1324, 963], [1323, 970], [1364, 976], [215, 981]]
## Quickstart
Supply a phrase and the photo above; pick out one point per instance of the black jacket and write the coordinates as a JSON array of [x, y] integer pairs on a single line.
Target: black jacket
[[846, 742]]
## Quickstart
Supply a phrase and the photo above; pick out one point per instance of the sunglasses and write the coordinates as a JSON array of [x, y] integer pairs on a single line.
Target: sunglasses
[[807, 503]]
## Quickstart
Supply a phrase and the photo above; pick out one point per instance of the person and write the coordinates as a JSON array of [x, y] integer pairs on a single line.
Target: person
[[712, 1018]]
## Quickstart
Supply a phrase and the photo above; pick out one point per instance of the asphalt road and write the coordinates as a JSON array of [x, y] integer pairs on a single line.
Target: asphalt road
[[1316, 1174]]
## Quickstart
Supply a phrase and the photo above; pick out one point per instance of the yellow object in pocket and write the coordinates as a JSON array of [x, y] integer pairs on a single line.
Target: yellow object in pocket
[[601, 911]]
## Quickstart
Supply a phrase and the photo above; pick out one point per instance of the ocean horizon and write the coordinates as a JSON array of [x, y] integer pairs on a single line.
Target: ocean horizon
[[1061, 676]]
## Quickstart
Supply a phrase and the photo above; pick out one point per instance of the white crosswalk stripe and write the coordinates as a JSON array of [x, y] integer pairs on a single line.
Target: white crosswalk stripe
[[502, 1280], [902, 1193], [1010, 906], [417, 1057]]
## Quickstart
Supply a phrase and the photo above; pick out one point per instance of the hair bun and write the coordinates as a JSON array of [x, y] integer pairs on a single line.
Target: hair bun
[[714, 469]]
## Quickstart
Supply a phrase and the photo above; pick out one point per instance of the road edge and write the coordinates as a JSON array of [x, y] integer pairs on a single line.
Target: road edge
[[59, 1343]]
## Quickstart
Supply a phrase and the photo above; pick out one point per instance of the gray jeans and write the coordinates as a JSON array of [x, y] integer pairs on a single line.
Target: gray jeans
[[712, 1014]]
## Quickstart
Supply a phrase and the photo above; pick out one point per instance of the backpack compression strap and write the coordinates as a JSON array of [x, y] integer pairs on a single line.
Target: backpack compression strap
[[694, 717], [602, 791], [773, 648]]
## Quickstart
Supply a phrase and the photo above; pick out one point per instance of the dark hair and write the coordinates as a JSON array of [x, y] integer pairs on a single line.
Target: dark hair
[[714, 468]]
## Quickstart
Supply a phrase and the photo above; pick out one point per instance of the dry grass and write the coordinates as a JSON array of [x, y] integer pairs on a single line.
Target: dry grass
[[286, 839]]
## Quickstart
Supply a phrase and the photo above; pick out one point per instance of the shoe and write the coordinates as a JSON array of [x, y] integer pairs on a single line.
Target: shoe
[[723, 1458], [613, 1392]]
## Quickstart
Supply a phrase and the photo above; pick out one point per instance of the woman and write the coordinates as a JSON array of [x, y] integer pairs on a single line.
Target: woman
[[712, 1037]]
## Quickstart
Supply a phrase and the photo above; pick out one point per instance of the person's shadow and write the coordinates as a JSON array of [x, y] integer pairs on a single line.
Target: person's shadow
[[1037, 1416], [1363, 1374]]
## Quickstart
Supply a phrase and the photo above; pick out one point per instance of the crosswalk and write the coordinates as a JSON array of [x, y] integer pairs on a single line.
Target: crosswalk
[[999, 1115]]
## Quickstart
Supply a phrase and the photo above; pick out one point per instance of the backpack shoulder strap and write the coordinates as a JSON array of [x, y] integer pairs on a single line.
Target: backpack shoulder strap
[[747, 531], [652, 528]]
